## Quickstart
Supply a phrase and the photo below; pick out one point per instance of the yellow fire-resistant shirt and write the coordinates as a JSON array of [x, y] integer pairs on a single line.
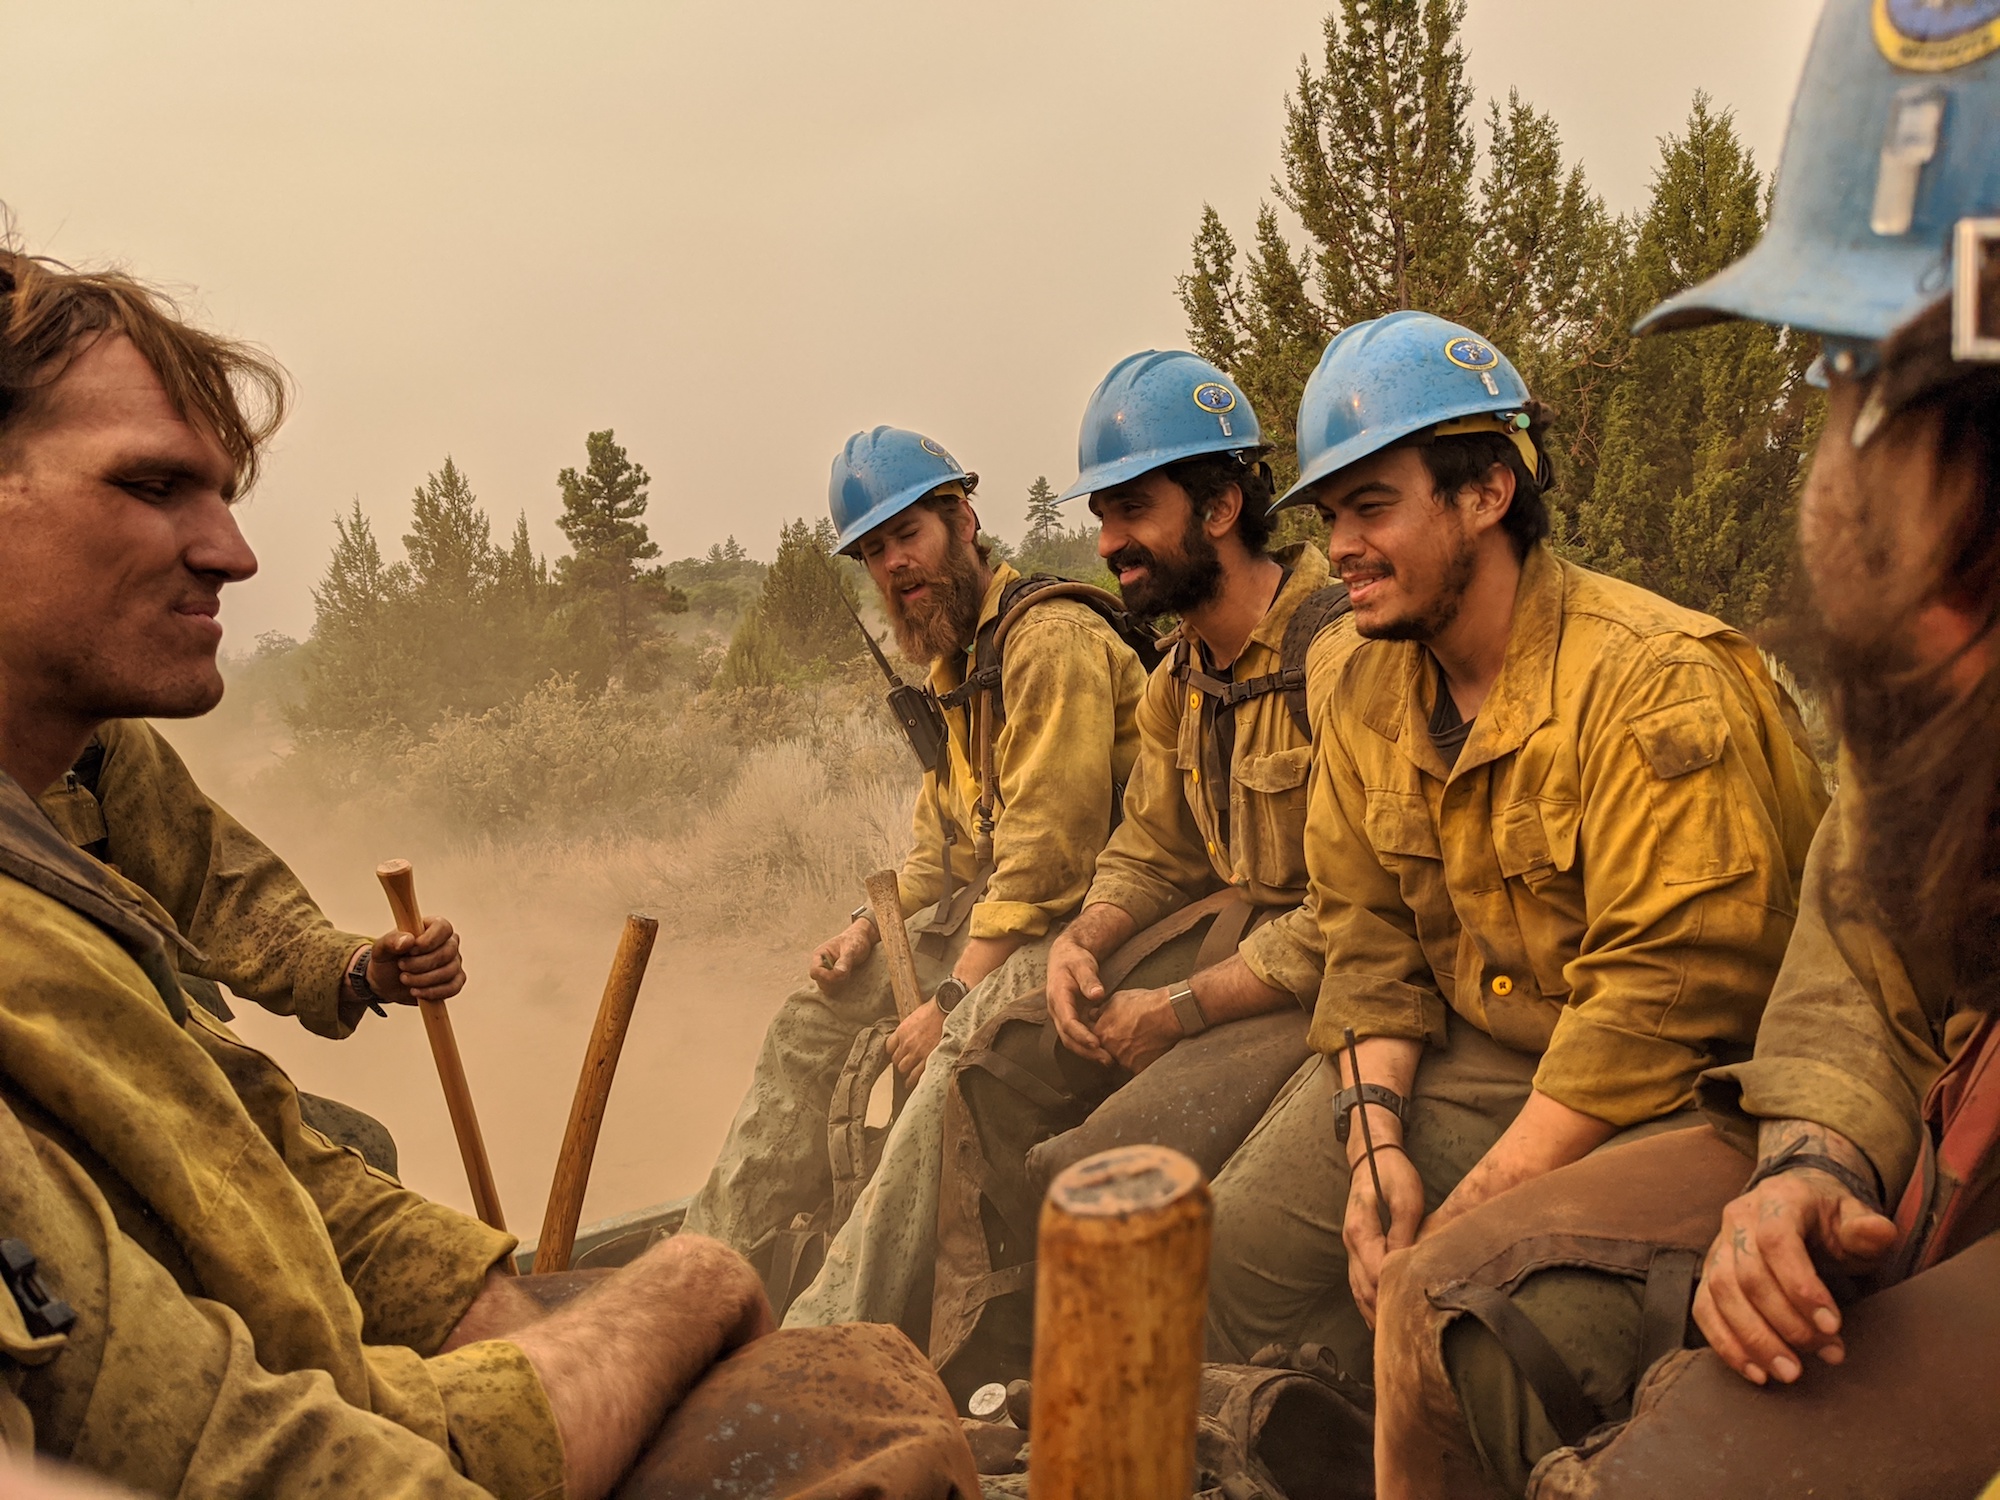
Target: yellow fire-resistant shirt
[[255, 926], [258, 1312], [1070, 688], [1609, 875], [1857, 1030], [1172, 849]]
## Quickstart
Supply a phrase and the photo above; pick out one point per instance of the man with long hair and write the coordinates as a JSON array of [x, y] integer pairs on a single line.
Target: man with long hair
[[203, 1295], [1839, 1215], [1058, 724]]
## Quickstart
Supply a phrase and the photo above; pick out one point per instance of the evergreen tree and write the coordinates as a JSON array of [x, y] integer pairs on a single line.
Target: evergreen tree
[[450, 543], [602, 507], [359, 674], [1381, 166], [1045, 517], [805, 599], [1705, 432], [521, 576]]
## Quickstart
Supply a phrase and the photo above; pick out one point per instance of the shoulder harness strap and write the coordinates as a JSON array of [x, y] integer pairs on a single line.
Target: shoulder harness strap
[[1315, 613]]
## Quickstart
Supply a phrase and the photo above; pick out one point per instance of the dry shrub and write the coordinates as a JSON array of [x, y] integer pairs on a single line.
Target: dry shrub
[[562, 759]]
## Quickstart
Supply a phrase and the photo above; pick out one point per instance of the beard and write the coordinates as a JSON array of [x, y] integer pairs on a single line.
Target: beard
[[1926, 761], [944, 621], [1173, 585], [1433, 618]]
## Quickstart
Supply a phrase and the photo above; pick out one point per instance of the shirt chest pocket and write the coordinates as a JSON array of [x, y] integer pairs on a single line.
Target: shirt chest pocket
[[1271, 812], [1699, 828], [1535, 839]]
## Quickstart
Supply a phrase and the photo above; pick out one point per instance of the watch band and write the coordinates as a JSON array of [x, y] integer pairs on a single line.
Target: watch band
[[947, 995], [1796, 1158], [357, 980], [1187, 1009], [863, 910], [1350, 1099]]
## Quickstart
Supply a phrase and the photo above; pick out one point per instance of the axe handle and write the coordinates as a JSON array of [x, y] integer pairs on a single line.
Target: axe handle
[[399, 882], [593, 1090], [885, 900]]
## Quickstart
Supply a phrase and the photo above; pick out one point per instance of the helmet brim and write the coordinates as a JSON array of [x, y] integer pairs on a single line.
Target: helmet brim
[[1863, 293], [895, 505], [1370, 441], [1122, 471]]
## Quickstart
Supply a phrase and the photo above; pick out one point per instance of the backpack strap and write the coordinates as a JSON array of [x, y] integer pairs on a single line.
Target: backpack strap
[[1314, 614]]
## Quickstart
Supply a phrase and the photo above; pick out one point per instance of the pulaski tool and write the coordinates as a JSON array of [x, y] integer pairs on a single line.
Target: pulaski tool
[[400, 882]]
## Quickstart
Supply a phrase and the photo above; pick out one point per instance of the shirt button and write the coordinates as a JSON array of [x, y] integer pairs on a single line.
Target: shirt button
[[1211, 846], [1502, 985], [1195, 777], [1194, 700]]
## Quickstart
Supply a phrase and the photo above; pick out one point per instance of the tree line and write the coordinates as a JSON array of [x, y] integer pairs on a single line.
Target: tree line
[[1678, 458]]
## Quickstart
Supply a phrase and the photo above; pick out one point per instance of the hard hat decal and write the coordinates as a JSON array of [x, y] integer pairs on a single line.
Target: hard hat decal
[[1935, 36], [1472, 354], [935, 451], [1211, 397]]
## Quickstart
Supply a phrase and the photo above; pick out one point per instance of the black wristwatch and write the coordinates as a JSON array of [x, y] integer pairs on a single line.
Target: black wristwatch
[[947, 995], [1348, 1100]]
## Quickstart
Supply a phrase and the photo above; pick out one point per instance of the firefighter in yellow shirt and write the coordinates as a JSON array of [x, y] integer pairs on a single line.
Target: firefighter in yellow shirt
[[1555, 836], [997, 863]]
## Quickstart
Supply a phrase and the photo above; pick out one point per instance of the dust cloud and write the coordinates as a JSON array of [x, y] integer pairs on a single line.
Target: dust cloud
[[540, 919]]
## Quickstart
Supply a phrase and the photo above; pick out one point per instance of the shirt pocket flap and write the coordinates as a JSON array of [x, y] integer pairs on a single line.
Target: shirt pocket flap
[[1533, 834], [1680, 738], [1400, 823], [1280, 771]]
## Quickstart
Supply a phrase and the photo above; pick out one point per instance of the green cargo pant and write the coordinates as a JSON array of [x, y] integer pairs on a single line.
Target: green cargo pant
[[882, 1255], [774, 1163], [1278, 1271]]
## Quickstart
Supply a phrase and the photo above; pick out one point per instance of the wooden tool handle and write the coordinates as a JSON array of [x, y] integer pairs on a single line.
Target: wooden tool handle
[[593, 1089], [399, 882], [1121, 1295], [885, 900]]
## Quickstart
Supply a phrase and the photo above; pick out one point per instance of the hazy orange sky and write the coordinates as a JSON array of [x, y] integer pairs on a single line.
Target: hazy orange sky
[[735, 233]]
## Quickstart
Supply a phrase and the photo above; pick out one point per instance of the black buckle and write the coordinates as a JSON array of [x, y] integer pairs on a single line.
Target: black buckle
[[43, 1312]]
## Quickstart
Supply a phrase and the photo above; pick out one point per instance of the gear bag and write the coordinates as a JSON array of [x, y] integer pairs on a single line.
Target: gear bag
[[1953, 1197]]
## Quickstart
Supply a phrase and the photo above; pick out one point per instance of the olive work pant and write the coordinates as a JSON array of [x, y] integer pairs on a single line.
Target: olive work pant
[[1278, 1274], [878, 1266], [774, 1164], [1578, 1254]]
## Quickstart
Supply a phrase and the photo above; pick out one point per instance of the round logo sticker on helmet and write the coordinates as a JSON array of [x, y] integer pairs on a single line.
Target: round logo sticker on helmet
[[935, 451], [1214, 398], [1935, 36], [1471, 354]]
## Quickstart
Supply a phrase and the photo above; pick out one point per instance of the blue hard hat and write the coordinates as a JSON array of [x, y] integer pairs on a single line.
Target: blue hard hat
[[1894, 139], [1157, 408], [882, 473], [1380, 381]]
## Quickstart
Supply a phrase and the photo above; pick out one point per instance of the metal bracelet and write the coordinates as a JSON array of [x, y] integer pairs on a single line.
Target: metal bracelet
[[1187, 1009]]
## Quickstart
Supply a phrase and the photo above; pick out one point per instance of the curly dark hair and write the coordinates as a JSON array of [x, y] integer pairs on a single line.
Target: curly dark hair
[[1207, 475], [1464, 457]]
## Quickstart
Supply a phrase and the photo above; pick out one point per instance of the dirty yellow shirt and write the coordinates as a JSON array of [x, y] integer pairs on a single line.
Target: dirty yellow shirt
[[1857, 1030], [1070, 687], [1609, 875], [258, 1310], [1171, 849], [255, 926]]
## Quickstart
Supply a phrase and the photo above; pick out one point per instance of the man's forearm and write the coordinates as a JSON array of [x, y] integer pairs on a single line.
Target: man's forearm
[[983, 955], [1229, 991], [614, 1363], [1101, 929], [1805, 1138], [1544, 1136]]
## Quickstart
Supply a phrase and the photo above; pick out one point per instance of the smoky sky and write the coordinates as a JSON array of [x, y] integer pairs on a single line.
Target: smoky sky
[[734, 233]]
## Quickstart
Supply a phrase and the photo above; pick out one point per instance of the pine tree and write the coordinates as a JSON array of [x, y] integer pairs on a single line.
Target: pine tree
[[602, 507], [1380, 164], [805, 599], [450, 542], [1045, 517], [360, 672], [1705, 432]]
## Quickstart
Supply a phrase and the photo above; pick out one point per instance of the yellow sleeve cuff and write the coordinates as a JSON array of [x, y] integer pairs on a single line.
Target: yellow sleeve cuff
[[1005, 919], [503, 1432], [1374, 1006], [1620, 1077]]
